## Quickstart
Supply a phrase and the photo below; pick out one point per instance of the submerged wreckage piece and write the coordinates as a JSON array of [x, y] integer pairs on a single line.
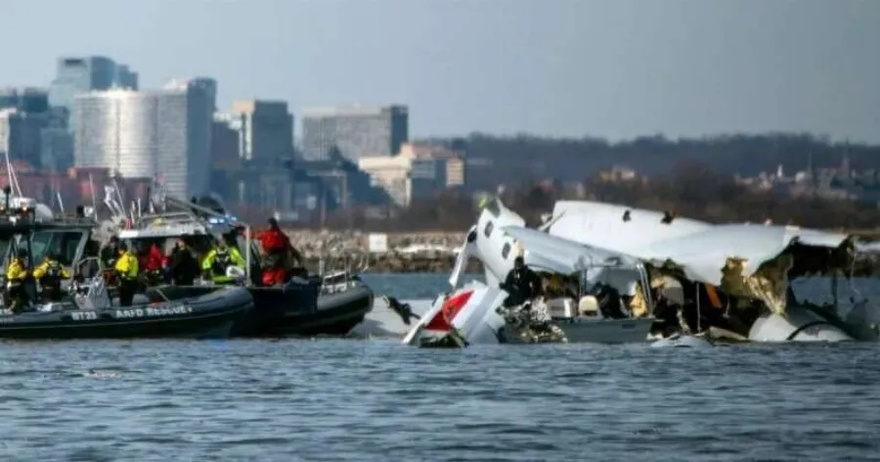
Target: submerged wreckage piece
[[798, 324], [464, 317]]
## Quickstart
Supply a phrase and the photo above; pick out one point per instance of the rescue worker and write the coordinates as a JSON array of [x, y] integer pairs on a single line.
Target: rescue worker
[[50, 273], [110, 252], [183, 266], [126, 267], [218, 260], [521, 283], [16, 273], [152, 262], [278, 254]]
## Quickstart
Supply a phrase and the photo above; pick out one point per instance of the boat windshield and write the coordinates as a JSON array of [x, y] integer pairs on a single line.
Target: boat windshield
[[64, 243]]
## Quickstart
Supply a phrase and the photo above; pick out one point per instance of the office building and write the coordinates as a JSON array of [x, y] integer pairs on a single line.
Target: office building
[[33, 100], [266, 131], [451, 161], [163, 134], [405, 177], [76, 75], [356, 131], [20, 135]]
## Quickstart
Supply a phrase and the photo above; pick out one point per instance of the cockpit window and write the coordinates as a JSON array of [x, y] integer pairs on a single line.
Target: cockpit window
[[505, 251], [487, 231]]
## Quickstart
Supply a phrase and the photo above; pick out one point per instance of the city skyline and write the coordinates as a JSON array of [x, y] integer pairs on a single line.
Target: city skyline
[[564, 68]]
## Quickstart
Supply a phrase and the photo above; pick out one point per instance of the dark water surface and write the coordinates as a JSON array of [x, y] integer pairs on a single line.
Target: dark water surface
[[378, 401]]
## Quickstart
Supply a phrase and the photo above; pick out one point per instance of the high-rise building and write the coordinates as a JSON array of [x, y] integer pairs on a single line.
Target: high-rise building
[[266, 130], [84, 74], [24, 114], [56, 143], [20, 135], [356, 131], [163, 134], [33, 100]]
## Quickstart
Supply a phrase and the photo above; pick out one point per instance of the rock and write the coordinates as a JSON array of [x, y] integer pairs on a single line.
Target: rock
[[349, 249]]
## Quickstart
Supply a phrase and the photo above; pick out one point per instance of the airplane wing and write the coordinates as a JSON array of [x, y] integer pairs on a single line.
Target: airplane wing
[[559, 254]]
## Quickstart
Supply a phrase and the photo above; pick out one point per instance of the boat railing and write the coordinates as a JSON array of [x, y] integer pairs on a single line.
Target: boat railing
[[339, 280], [166, 219]]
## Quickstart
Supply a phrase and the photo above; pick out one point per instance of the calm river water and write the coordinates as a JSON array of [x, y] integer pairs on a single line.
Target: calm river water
[[375, 400]]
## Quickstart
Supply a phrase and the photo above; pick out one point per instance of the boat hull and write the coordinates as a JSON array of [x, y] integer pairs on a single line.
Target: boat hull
[[605, 330], [211, 314], [299, 309]]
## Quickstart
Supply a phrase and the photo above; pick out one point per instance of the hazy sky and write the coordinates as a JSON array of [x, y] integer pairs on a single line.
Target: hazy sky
[[615, 68]]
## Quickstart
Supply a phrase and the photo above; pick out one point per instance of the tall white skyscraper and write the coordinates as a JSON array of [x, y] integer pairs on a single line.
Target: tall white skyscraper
[[164, 134]]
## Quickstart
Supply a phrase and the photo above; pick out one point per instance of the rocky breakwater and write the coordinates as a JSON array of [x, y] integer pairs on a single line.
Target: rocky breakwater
[[427, 252]]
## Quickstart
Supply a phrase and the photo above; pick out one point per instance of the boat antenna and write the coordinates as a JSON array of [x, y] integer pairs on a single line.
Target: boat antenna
[[118, 191], [94, 199], [10, 171], [60, 202]]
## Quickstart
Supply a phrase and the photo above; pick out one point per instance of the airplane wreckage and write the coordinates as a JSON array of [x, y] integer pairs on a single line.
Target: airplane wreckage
[[615, 274]]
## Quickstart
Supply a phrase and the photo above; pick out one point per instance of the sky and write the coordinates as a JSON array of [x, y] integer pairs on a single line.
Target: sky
[[614, 68]]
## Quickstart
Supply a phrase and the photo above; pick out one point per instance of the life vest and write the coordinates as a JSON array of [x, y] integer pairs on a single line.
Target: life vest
[[54, 270], [54, 274], [222, 260]]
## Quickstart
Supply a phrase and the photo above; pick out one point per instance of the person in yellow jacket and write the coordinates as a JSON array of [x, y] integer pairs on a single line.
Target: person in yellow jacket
[[16, 273], [218, 260], [126, 267], [50, 273]]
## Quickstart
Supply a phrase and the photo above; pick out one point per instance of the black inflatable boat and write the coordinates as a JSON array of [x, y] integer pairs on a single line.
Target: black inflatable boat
[[302, 307], [306, 307], [161, 312]]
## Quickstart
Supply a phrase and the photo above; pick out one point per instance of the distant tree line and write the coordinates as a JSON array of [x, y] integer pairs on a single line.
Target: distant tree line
[[692, 189], [531, 158]]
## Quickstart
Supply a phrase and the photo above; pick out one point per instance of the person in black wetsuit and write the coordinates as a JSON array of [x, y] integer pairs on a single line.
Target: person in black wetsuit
[[110, 253], [183, 266], [521, 283]]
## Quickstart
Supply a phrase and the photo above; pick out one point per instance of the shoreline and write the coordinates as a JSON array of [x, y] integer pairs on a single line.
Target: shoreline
[[413, 252], [416, 252]]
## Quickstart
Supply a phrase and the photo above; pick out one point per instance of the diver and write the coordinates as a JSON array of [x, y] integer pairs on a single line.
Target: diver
[[50, 273], [218, 260], [183, 266], [521, 283], [110, 252], [126, 267], [16, 273]]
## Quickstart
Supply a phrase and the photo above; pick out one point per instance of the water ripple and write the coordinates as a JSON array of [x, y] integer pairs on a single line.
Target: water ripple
[[339, 400]]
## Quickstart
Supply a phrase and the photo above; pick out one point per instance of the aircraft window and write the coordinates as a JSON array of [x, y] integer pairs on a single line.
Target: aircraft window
[[487, 231], [505, 251]]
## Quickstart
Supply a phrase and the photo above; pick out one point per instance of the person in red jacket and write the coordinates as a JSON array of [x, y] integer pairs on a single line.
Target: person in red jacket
[[277, 248], [152, 264], [273, 240]]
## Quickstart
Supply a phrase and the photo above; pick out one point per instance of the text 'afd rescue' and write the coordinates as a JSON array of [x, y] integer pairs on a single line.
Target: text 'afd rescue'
[[153, 312]]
